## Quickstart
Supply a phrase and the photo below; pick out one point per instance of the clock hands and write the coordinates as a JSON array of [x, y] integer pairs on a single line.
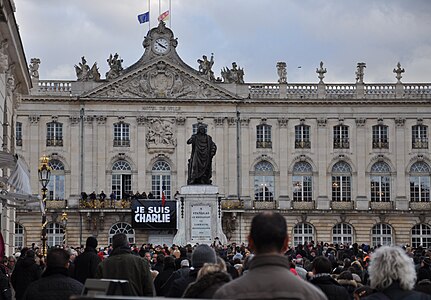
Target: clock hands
[[161, 45]]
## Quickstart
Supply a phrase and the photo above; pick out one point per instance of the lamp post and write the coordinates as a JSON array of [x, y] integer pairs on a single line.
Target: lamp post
[[44, 173]]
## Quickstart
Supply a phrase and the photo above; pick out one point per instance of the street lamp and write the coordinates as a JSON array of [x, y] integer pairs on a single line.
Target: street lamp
[[44, 173]]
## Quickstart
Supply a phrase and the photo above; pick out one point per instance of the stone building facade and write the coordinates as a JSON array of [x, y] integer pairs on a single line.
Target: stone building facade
[[342, 162]]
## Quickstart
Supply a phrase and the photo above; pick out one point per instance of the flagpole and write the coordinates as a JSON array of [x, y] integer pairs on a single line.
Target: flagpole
[[170, 13], [160, 7], [149, 19]]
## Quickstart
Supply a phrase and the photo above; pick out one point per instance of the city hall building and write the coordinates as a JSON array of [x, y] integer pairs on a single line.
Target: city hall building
[[343, 163]]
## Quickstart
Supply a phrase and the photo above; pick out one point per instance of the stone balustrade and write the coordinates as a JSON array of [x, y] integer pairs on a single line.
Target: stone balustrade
[[51, 87]]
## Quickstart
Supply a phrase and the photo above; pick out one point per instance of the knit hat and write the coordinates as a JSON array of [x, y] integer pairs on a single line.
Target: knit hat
[[185, 263], [203, 254], [91, 242]]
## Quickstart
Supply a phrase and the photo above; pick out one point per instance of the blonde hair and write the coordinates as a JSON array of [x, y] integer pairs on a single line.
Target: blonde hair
[[389, 264], [209, 268]]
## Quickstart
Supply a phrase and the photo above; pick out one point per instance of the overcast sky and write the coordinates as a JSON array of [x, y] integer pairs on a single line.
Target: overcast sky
[[254, 33]]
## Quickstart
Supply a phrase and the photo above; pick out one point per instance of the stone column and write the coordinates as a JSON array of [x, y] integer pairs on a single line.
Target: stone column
[[283, 199], [141, 154], [401, 200], [245, 158], [35, 143], [74, 121], [218, 160], [88, 155], [181, 157], [101, 159], [231, 157], [361, 150], [322, 158]]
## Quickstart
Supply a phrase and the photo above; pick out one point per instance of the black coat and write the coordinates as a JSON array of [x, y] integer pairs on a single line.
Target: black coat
[[424, 273], [163, 281], [26, 271], [54, 285], [85, 265], [332, 289], [179, 285], [205, 287], [5, 291], [394, 292]]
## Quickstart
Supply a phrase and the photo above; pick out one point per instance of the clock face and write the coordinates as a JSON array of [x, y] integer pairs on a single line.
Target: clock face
[[161, 46]]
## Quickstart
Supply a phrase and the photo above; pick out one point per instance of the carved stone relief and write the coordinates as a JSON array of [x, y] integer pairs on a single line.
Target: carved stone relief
[[161, 132]]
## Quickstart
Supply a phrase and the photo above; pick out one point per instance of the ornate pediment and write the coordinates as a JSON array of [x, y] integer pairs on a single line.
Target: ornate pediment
[[160, 80]]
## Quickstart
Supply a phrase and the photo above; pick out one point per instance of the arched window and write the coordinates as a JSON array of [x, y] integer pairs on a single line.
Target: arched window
[[55, 234], [56, 185], [18, 134], [302, 181], [381, 234], [121, 134], [420, 182], [161, 179], [263, 136], [421, 236], [342, 233], [196, 125], [380, 182], [302, 234], [121, 179], [341, 137], [380, 137], [19, 236], [302, 137], [122, 228], [341, 182], [54, 134], [420, 137], [264, 181]]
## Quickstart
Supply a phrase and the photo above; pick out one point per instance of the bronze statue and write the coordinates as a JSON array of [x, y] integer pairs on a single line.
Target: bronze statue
[[200, 162]]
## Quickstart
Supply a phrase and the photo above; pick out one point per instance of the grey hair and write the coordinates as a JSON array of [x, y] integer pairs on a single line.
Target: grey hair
[[389, 264]]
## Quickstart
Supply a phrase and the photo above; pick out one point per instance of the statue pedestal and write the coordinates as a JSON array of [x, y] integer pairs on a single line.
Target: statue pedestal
[[200, 215]]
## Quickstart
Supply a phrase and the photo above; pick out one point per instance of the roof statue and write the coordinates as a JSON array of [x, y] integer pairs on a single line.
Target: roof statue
[[205, 66], [321, 72], [360, 72], [34, 68], [115, 67], [85, 73], [234, 75], [399, 71], [282, 72]]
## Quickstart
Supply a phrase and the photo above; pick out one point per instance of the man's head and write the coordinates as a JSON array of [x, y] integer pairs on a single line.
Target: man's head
[[268, 233], [203, 254], [91, 242], [120, 240], [57, 258], [321, 265]]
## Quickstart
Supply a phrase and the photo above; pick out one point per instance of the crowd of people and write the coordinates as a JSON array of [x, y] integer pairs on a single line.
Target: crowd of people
[[266, 268]]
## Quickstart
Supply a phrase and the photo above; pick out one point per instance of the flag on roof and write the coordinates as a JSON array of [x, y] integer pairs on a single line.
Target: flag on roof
[[145, 17], [164, 16]]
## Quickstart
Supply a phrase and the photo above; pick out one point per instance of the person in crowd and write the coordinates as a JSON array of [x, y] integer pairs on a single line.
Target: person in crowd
[[157, 264], [87, 262], [299, 267], [201, 255], [55, 282], [11, 262], [321, 277], [73, 254], [112, 197], [362, 292], [5, 290], [210, 278], [164, 280], [122, 264], [102, 197], [392, 275], [84, 196], [26, 271], [424, 271], [345, 279], [424, 286], [150, 196], [268, 276], [93, 198]]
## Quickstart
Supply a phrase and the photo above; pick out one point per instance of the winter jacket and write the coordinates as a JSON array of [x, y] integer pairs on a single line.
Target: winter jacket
[[86, 265], [207, 285], [54, 285], [269, 277], [26, 271], [122, 264], [5, 291], [349, 285], [180, 284], [332, 289], [394, 292], [163, 281]]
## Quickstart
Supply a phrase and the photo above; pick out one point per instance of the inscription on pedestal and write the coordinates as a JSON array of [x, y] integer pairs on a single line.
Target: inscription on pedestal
[[200, 222]]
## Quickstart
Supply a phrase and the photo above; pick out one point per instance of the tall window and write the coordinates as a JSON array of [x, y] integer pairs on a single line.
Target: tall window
[[264, 181], [19, 236], [54, 134], [381, 234], [341, 182], [196, 125], [380, 182], [18, 134], [121, 179], [303, 233], [342, 233], [56, 185], [302, 181], [420, 182], [263, 136], [420, 137], [380, 137], [55, 234], [341, 137], [421, 236], [122, 228], [161, 179], [302, 137], [121, 135]]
